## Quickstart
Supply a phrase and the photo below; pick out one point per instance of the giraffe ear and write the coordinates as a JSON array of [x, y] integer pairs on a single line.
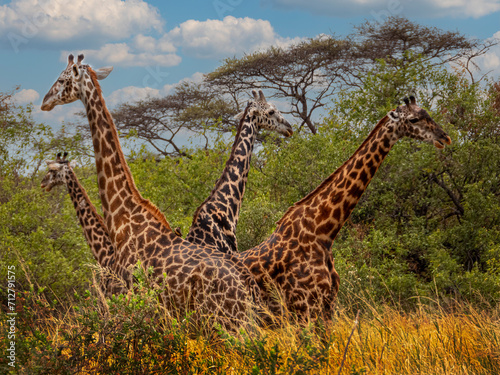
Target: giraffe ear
[[239, 116], [80, 59], [102, 73], [72, 164]]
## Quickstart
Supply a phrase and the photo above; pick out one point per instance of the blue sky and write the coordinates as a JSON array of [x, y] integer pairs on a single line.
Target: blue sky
[[155, 44]]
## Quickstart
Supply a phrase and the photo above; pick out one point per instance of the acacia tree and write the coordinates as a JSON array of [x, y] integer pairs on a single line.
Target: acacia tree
[[304, 73], [308, 75], [193, 109], [400, 42], [312, 71]]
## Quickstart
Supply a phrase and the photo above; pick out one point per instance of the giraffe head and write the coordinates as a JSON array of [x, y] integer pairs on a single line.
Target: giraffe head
[[414, 122], [266, 115], [71, 83], [58, 172]]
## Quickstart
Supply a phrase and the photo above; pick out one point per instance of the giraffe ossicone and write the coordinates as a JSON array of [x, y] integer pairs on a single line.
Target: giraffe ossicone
[[297, 259]]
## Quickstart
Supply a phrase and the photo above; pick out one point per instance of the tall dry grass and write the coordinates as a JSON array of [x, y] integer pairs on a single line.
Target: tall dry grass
[[136, 335]]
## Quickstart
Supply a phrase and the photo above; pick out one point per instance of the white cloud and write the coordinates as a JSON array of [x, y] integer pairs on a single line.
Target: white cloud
[[466, 8], [213, 39], [133, 94], [217, 39], [384, 8], [58, 115], [124, 55], [59, 21], [130, 94], [490, 61], [25, 96], [150, 44]]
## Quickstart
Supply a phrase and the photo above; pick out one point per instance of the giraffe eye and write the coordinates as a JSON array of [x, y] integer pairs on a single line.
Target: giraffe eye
[[413, 120], [271, 112]]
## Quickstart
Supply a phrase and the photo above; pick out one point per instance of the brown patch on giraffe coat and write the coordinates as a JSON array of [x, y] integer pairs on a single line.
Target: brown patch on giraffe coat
[[383, 151], [115, 204], [323, 229], [296, 227], [324, 212], [337, 213], [102, 183], [111, 191], [107, 169], [308, 224], [337, 197], [363, 177], [106, 151], [99, 163], [346, 207], [120, 217]]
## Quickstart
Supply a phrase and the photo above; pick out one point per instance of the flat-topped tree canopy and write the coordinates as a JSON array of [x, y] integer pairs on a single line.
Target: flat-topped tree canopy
[[312, 71], [392, 39]]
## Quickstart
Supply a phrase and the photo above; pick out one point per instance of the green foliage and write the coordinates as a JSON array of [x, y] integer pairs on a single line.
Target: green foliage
[[130, 334], [428, 224], [39, 232], [430, 219], [177, 186]]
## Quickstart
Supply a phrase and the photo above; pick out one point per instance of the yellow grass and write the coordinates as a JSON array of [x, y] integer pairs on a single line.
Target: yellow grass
[[392, 342], [384, 340]]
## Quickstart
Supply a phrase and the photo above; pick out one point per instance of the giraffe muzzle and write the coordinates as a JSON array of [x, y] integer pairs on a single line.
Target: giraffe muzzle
[[440, 143], [47, 104]]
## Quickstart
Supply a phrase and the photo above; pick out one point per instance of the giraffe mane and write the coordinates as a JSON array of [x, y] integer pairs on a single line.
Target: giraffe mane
[[219, 181], [328, 180], [126, 169]]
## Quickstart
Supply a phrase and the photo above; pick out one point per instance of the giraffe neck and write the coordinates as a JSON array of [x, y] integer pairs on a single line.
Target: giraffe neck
[[323, 212], [92, 223], [120, 197], [214, 222]]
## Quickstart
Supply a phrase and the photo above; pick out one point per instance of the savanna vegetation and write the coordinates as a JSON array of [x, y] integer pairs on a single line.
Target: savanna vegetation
[[419, 259]]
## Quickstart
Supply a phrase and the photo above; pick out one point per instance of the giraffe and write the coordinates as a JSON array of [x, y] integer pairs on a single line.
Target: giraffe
[[61, 173], [215, 220], [297, 257], [192, 277]]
